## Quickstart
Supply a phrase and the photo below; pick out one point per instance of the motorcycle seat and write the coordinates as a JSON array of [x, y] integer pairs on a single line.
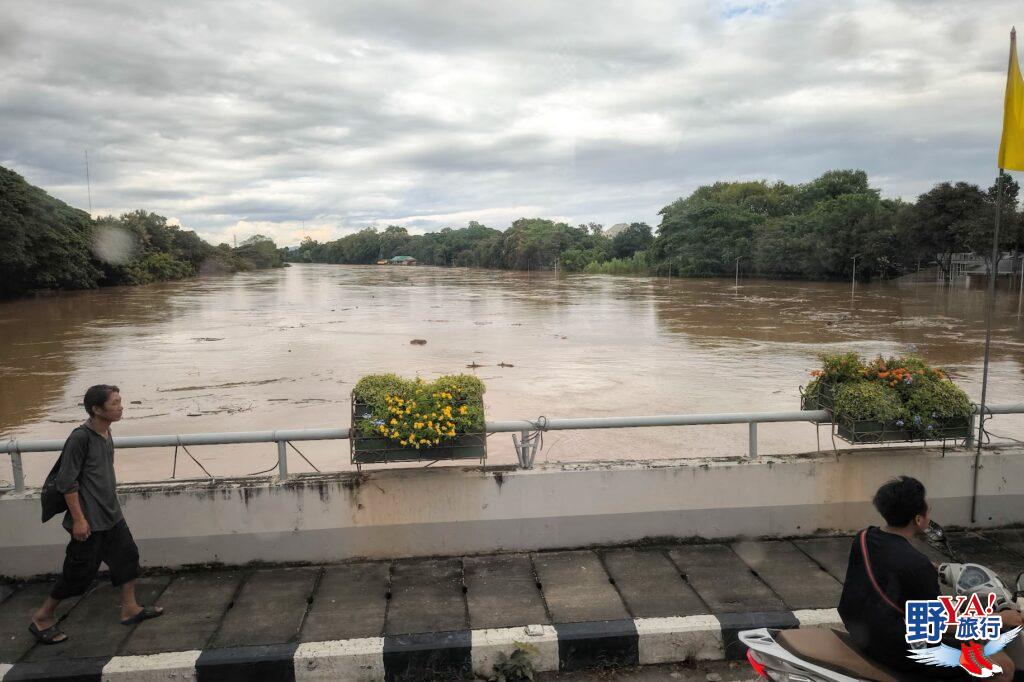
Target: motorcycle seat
[[831, 649]]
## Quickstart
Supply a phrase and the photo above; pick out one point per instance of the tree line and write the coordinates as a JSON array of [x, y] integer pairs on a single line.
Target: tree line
[[46, 244], [811, 230]]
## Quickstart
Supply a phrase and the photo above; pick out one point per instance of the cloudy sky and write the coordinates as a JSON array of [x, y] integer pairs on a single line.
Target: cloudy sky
[[320, 117]]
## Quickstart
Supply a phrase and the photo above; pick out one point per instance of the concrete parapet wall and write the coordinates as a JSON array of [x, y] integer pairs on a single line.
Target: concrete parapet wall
[[453, 510]]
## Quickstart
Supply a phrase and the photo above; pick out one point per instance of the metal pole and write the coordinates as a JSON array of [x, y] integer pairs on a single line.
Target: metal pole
[[282, 460], [524, 449], [17, 470], [853, 283], [1020, 293], [738, 271], [752, 450], [988, 342]]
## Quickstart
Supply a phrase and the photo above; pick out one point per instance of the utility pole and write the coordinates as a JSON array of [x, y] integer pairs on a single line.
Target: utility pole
[[853, 285], [88, 184], [738, 271]]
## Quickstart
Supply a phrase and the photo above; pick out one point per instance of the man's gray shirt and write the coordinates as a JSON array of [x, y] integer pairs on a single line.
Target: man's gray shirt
[[87, 465]]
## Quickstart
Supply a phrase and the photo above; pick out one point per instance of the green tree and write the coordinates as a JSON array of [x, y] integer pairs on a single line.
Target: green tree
[[636, 237]]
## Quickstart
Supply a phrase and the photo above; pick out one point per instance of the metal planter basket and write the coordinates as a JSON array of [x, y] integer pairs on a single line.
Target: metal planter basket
[[858, 431], [949, 429], [372, 449]]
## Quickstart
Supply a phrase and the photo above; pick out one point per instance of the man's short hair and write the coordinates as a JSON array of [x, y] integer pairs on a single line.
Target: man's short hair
[[900, 500], [97, 396]]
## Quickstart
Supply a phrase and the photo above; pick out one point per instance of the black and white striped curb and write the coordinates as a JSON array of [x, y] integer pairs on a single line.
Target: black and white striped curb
[[440, 655]]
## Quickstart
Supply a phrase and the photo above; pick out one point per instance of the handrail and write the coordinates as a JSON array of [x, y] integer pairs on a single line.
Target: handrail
[[524, 426]]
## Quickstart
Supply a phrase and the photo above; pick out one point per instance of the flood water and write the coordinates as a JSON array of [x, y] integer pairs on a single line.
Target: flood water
[[282, 349]]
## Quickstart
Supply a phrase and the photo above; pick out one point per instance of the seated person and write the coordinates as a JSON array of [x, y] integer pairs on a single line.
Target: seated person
[[902, 573]]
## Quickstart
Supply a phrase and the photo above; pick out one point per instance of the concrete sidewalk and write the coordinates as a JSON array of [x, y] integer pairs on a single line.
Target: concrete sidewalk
[[446, 618]]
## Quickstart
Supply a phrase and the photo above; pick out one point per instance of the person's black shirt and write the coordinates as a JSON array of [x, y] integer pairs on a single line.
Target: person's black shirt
[[902, 573]]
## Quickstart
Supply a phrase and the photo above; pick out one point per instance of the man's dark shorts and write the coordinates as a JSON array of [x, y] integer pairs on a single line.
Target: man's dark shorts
[[114, 547]]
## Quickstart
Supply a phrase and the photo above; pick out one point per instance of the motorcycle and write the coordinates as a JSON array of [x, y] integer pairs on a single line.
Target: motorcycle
[[827, 655]]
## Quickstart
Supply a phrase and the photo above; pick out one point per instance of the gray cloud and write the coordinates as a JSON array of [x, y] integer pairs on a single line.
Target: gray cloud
[[236, 117]]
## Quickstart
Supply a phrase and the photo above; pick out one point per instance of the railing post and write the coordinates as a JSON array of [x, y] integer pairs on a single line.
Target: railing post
[[16, 469], [970, 432], [282, 460], [752, 452]]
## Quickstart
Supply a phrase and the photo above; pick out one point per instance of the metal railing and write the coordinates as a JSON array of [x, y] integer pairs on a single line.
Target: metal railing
[[527, 442]]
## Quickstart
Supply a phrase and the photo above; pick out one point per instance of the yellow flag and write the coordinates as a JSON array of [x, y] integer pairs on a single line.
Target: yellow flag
[[1011, 146]]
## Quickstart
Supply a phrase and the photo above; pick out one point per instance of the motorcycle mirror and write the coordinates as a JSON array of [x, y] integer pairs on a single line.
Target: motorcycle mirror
[[934, 532]]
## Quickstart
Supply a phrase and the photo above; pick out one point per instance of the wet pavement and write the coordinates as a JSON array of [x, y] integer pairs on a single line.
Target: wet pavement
[[218, 609]]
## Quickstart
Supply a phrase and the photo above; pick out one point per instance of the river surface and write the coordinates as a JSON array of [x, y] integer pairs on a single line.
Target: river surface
[[282, 349]]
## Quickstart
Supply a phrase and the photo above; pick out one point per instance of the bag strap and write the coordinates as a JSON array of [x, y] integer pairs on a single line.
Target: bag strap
[[871, 573]]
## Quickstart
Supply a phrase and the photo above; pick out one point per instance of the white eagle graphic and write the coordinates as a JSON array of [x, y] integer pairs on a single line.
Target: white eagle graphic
[[948, 657]]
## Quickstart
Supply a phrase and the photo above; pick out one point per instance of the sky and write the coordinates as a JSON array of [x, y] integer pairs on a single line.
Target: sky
[[320, 118]]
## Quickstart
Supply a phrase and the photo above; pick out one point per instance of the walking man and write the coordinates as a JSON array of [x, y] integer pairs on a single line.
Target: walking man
[[84, 476]]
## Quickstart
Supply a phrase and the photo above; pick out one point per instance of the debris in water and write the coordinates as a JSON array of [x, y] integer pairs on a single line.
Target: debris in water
[[418, 342], [207, 338], [136, 402], [473, 365], [505, 364]]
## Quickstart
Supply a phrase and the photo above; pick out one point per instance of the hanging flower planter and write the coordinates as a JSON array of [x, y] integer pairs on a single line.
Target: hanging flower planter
[[400, 420], [888, 400]]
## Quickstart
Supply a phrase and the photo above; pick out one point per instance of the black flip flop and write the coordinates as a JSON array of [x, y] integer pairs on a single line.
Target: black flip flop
[[146, 613], [47, 635]]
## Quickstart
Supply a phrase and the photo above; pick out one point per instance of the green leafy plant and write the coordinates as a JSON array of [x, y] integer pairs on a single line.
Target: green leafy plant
[[518, 666], [413, 413], [837, 368], [935, 403], [868, 401]]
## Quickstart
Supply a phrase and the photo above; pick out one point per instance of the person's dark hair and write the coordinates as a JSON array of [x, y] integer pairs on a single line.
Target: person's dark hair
[[97, 396], [900, 500]]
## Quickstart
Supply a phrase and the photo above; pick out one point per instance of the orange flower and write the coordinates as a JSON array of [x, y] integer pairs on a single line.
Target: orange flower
[[883, 375]]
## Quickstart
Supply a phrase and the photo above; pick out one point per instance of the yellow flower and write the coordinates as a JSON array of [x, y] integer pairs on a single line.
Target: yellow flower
[[436, 441], [430, 423], [394, 435], [383, 429], [418, 425], [463, 409], [402, 443], [394, 421], [451, 434]]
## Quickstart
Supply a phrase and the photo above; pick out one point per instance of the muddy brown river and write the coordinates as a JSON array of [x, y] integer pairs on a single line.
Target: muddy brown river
[[282, 349]]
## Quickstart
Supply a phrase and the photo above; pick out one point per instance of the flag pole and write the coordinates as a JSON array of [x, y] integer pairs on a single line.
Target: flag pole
[[990, 305]]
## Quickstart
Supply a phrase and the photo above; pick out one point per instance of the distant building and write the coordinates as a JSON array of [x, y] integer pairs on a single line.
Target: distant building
[[382, 262], [615, 229], [402, 260]]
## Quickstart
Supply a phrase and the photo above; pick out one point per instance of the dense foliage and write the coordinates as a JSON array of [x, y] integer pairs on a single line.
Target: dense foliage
[[416, 414], [46, 244], [905, 391], [807, 231]]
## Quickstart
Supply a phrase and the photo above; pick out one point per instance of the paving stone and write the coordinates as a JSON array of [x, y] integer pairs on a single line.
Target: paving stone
[[577, 588], [800, 582], [973, 548], [650, 584], [832, 554], [723, 581], [426, 596], [349, 603], [16, 614], [94, 626], [194, 606], [502, 592], [269, 609], [1010, 538]]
